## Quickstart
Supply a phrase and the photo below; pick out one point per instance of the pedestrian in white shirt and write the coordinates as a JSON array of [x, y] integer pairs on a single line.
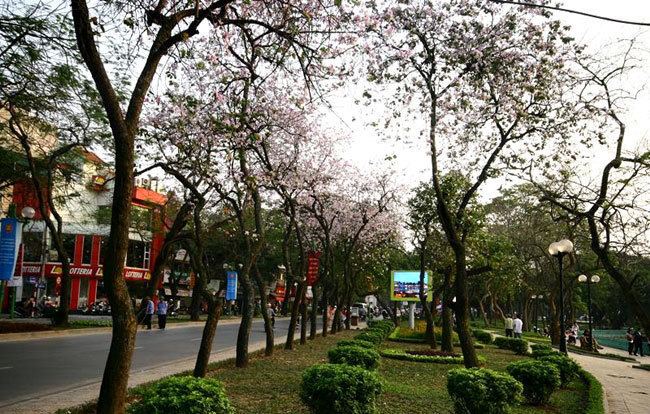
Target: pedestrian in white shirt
[[518, 325]]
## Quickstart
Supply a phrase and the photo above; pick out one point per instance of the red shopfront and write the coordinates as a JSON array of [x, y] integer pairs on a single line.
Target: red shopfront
[[86, 270]]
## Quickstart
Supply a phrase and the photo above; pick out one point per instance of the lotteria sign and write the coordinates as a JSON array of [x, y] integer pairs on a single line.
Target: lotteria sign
[[10, 233], [55, 269]]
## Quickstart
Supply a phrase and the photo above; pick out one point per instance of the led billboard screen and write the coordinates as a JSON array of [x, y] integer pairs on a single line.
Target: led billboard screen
[[405, 285]]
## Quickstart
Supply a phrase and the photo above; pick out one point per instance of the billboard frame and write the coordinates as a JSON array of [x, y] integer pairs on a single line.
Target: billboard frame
[[427, 274]]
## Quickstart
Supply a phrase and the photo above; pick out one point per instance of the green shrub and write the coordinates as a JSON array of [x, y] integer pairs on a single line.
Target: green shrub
[[541, 350], [568, 368], [541, 347], [482, 391], [356, 342], [340, 389], [519, 346], [182, 395], [354, 355], [539, 378], [382, 333], [482, 336], [370, 336], [386, 326]]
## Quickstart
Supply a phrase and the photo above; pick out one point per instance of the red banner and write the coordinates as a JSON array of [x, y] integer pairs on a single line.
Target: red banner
[[313, 260], [280, 290]]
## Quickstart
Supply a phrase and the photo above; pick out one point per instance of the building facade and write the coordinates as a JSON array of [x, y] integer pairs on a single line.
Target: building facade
[[85, 207]]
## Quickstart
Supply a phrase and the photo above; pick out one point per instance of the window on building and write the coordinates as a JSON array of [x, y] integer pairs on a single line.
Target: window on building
[[87, 249], [33, 243], [138, 254]]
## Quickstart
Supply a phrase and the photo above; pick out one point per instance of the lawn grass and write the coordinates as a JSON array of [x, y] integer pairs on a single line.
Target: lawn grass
[[272, 384]]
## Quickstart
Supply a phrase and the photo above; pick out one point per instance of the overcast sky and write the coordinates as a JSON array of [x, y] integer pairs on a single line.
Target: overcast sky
[[412, 163]]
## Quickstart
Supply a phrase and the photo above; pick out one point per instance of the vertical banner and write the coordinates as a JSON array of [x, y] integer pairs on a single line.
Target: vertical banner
[[231, 285], [280, 287], [312, 267], [10, 232]]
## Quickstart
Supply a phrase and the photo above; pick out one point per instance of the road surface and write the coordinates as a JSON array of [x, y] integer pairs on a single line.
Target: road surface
[[47, 366]]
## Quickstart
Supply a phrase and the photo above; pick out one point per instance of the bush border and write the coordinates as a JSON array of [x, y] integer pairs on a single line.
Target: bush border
[[400, 354], [594, 398]]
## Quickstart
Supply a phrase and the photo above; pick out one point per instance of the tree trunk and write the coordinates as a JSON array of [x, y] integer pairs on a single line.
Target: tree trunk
[[462, 309], [295, 308], [268, 326], [215, 307], [554, 323], [447, 343], [482, 309], [336, 321], [112, 394], [325, 312], [430, 335], [303, 317], [197, 298], [241, 359]]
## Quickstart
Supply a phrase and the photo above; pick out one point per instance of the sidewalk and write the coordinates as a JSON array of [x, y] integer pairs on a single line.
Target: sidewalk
[[86, 392], [627, 390]]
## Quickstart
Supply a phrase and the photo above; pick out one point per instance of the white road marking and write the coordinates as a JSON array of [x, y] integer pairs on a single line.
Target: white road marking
[[138, 347], [1, 368], [196, 339]]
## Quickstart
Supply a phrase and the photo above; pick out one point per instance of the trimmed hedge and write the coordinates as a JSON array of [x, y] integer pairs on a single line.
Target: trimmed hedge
[[482, 336], [482, 391], [374, 337], [340, 389], [356, 342], [354, 355], [182, 395], [594, 402], [568, 368], [400, 354], [539, 379], [519, 346], [542, 350], [387, 327]]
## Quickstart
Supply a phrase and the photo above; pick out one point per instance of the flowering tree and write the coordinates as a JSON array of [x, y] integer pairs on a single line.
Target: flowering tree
[[490, 83], [161, 28], [613, 203]]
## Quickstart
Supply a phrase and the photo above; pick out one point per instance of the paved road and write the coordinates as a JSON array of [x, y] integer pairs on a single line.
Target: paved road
[[44, 366]]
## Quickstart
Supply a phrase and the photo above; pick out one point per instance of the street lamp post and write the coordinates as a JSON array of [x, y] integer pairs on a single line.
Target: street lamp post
[[589, 281], [559, 250], [535, 298]]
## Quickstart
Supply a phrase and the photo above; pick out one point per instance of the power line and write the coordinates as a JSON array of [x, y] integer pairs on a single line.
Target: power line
[[595, 16]]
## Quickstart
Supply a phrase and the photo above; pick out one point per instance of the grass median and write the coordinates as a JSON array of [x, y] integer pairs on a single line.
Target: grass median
[[272, 384]]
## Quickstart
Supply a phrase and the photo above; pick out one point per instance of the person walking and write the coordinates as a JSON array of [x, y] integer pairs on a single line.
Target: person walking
[[509, 324], [148, 312], [638, 343], [162, 313], [629, 337], [518, 325]]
